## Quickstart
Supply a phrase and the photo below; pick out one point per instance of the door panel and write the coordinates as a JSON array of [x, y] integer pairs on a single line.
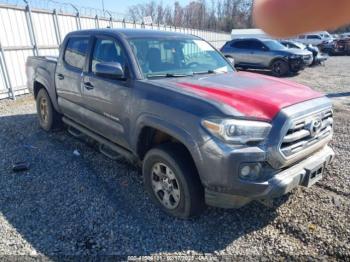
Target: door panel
[[68, 76], [107, 99]]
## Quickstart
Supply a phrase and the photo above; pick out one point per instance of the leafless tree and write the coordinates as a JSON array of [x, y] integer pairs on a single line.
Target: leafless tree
[[223, 15]]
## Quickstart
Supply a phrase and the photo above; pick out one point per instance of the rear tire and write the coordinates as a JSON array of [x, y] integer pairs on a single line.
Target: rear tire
[[49, 118], [172, 181], [280, 68]]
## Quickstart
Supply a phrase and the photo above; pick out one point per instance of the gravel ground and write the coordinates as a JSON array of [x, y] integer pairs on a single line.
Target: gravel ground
[[90, 205]]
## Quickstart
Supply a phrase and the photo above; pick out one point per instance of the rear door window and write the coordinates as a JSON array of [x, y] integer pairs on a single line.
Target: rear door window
[[249, 44], [76, 52], [241, 44], [256, 45]]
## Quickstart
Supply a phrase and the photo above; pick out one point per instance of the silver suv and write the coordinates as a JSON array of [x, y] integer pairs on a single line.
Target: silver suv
[[269, 54]]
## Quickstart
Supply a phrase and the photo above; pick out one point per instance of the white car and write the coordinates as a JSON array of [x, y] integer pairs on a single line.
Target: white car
[[312, 39], [316, 39]]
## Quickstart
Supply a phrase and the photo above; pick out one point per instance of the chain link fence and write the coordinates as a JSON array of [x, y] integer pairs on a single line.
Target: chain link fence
[[39, 32]]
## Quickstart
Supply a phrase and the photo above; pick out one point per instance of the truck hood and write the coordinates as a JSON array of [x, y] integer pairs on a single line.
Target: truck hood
[[296, 51], [254, 96]]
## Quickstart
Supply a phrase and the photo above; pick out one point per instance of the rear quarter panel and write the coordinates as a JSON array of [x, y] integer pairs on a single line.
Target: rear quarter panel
[[42, 70]]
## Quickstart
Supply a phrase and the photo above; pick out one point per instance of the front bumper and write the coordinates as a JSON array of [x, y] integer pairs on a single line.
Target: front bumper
[[278, 185], [308, 60]]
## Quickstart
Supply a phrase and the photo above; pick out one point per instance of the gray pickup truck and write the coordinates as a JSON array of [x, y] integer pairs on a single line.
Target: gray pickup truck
[[203, 133]]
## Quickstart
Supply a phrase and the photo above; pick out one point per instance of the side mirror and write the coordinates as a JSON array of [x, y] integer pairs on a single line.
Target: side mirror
[[110, 70], [231, 60]]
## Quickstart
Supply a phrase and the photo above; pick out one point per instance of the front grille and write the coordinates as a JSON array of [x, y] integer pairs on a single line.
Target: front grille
[[307, 131]]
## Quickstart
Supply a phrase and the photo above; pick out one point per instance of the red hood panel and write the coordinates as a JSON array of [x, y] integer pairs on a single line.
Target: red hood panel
[[254, 95]]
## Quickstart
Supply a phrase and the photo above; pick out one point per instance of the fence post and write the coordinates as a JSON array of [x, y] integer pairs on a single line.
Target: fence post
[[97, 22], [77, 17], [78, 21], [28, 13], [134, 24], [124, 23], [110, 18], [110, 22], [5, 73], [57, 27]]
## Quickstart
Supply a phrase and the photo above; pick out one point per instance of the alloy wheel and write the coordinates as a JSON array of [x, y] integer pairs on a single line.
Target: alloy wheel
[[165, 186]]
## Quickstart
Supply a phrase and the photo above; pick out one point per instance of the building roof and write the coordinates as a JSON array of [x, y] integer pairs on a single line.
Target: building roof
[[247, 32]]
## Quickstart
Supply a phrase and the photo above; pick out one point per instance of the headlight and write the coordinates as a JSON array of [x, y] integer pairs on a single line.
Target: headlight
[[294, 56], [237, 131]]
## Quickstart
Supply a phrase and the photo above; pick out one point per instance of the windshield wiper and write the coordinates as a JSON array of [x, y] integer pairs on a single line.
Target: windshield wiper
[[209, 72], [169, 75], [205, 72]]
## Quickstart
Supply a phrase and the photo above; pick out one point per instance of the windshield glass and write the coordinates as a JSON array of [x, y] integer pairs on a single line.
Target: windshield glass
[[274, 45], [177, 57], [300, 45]]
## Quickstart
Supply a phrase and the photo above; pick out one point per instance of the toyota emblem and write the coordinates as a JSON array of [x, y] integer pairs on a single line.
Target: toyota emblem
[[316, 126]]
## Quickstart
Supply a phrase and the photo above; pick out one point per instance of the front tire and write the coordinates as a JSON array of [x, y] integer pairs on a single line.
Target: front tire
[[280, 68], [49, 118], [172, 181]]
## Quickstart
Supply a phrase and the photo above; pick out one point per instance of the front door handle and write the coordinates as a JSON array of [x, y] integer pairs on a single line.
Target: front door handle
[[60, 76], [88, 85]]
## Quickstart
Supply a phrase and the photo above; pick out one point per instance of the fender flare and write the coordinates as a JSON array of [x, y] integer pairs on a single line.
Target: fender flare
[[43, 77], [179, 134]]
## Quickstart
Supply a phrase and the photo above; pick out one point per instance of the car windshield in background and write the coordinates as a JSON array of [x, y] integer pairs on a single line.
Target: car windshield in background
[[177, 57], [274, 45], [300, 45]]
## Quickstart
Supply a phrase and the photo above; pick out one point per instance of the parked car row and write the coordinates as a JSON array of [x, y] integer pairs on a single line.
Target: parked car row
[[282, 58], [327, 43], [339, 46]]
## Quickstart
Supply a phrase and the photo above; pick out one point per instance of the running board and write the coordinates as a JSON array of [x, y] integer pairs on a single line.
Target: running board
[[104, 142], [108, 152], [74, 132]]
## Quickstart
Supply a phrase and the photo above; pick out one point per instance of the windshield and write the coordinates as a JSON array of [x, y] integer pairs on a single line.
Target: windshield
[[295, 45], [274, 45], [177, 57], [300, 45]]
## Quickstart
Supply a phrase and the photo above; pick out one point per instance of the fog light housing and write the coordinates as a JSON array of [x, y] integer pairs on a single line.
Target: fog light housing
[[250, 171]]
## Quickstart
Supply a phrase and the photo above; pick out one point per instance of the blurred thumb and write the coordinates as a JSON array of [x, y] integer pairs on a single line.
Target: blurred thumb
[[283, 18]]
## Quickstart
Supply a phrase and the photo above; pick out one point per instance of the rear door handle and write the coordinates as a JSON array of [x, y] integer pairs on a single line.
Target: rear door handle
[[60, 76], [88, 85]]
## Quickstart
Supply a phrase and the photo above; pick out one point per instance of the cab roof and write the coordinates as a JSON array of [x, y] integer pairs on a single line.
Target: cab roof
[[135, 33]]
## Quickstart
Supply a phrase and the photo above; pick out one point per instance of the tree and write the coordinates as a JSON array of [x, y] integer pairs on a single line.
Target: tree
[[223, 15]]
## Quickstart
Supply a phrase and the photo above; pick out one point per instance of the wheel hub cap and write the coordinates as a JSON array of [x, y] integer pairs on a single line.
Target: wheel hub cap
[[44, 110], [165, 186]]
